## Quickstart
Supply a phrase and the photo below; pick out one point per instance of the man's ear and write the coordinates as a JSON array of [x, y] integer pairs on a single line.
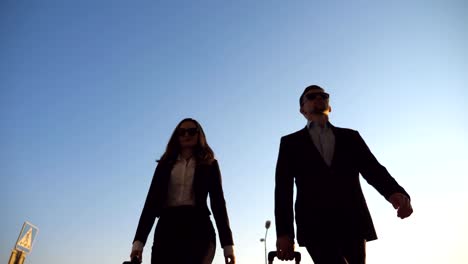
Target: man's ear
[[329, 109]]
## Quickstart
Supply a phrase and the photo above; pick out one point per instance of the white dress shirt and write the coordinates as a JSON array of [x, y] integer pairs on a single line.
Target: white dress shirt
[[324, 140]]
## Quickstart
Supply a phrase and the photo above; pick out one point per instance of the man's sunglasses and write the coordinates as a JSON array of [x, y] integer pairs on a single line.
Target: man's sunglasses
[[190, 131], [312, 96]]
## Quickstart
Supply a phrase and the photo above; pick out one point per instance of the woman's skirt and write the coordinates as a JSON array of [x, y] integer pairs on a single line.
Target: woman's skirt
[[183, 235]]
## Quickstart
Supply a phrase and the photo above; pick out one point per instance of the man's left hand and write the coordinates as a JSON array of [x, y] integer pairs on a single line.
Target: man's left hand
[[402, 203]]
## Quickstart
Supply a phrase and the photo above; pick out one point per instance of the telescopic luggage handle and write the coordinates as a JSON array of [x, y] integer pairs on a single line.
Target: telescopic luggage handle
[[273, 254]]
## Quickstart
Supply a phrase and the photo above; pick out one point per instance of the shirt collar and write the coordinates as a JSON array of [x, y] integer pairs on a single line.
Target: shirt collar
[[313, 125]]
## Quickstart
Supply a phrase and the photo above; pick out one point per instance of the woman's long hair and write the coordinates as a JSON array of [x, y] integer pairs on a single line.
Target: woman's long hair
[[202, 151]]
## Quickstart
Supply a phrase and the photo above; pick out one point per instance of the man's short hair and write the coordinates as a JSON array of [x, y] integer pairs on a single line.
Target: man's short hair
[[307, 89]]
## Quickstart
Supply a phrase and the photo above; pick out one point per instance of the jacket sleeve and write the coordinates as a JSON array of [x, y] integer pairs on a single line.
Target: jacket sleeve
[[218, 206], [148, 215], [374, 173], [284, 192]]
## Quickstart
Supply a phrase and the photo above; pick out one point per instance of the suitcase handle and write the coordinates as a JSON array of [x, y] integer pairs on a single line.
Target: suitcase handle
[[273, 254]]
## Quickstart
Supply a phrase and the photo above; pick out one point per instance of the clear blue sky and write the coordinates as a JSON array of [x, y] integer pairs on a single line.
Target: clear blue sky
[[91, 90]]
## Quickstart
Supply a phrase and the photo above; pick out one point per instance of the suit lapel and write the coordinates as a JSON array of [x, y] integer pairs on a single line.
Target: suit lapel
[[310, 149], [336, 151], [198, 180], [162, 183]]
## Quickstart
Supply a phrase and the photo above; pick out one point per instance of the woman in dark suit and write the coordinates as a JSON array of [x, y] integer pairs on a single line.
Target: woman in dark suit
[[184, 177]]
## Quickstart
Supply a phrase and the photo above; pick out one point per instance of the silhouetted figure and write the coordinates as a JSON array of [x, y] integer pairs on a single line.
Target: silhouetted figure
[[332, 218], [184, 177]]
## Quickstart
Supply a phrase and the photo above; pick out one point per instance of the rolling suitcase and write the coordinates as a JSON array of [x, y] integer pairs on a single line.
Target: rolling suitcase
[[273, 254]]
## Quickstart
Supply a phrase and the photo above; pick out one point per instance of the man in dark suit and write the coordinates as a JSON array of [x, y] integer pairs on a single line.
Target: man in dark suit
[[332, 218]]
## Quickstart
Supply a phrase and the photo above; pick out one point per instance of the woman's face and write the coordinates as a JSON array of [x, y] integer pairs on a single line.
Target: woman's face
[[188, 134]]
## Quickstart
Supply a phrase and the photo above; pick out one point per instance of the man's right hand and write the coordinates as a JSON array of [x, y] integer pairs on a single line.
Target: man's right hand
[[285, 248], [138, 254]]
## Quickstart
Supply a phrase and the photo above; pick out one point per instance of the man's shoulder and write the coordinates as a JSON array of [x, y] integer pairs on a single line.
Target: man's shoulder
[[299, 134], [344, 130], [293, 135], [346, 134]]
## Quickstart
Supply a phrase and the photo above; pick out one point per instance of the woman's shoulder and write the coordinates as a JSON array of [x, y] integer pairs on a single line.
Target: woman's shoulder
[[209, 162]]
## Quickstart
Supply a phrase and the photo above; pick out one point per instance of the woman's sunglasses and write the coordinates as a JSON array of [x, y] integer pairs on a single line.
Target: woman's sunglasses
[[190, 131]]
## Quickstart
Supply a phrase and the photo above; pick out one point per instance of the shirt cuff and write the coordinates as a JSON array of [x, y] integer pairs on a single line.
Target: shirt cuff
[[137, 245], [228, 250]]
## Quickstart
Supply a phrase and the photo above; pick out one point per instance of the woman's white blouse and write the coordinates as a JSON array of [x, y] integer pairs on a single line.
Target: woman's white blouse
[[180, 190]]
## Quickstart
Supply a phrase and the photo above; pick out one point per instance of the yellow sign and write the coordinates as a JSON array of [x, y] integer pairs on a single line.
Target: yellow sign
[[26, 241], [26, 237]]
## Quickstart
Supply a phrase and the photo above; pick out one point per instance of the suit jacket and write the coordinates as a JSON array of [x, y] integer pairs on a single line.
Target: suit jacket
[[329, 200], [207, 180]]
